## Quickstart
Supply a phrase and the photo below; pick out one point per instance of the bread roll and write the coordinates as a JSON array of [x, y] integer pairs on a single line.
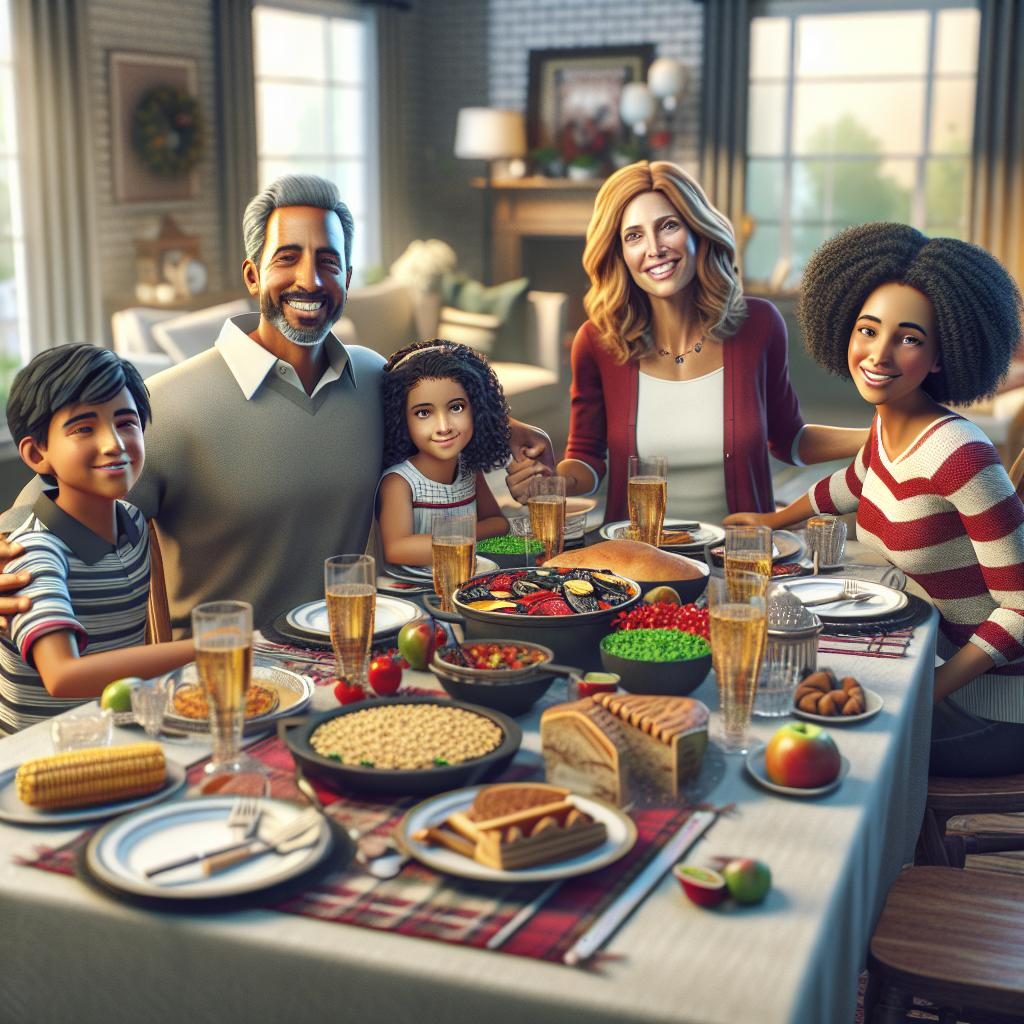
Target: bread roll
[[632, 559]]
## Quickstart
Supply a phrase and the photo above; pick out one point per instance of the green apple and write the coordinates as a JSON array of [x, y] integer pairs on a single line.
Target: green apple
[[747, 880], [118, 695], [416, 643]]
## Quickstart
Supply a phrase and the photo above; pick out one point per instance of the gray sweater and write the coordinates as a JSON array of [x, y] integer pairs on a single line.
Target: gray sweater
[[252, 496]]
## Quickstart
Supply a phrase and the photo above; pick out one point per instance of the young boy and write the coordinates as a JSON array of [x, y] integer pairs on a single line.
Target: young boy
[[77, 413]]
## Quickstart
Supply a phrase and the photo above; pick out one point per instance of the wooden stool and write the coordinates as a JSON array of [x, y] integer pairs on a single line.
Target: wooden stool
[[1002, 794], [951, 937]]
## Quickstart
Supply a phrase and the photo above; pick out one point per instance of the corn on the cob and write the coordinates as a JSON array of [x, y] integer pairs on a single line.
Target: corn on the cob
[[94, 776]]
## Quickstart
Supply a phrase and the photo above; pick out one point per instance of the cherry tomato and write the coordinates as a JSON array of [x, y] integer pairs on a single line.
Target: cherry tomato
[[384, 675], [348, 693]]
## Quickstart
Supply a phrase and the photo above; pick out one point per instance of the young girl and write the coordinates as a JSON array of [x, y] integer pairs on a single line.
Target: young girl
[[916, 322], [446, 423]]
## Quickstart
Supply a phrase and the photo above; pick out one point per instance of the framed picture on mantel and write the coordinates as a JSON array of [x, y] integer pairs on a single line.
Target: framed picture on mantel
[[573, 100]]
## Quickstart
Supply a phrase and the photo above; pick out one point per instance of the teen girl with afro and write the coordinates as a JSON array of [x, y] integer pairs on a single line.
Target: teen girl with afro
[[445, 425], [918, 322]]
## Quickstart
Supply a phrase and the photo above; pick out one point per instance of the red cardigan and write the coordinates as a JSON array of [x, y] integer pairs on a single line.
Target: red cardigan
[[761, 410]]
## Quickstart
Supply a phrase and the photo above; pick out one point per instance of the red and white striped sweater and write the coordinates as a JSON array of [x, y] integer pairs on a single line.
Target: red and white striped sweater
[[946, 513]]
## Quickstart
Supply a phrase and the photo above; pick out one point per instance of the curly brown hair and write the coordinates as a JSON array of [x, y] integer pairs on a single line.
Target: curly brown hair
[[620, 310], [437, 360], [977, 304]]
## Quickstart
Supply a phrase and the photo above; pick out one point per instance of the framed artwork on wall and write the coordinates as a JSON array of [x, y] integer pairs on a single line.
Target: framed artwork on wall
[[155, 127], [573, 99]]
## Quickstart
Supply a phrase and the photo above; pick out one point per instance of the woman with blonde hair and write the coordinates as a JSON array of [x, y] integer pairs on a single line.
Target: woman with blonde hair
[[675, 361]]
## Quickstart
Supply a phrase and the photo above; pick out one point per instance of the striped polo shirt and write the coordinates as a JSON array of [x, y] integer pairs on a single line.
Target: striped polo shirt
[[81, 583]]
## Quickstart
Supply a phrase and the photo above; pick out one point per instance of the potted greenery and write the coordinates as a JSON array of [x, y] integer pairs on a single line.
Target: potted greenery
[[548, 161], [584, 166]]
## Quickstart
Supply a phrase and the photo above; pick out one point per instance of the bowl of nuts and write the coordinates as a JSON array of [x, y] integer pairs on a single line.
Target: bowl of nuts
[[415, 745], [507, 675]]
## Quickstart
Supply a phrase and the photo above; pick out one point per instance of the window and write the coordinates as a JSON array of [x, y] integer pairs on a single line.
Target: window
[[14, 349], [315, 108], [855, 117]]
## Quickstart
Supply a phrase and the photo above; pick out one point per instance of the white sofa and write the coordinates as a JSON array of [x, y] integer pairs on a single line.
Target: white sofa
[[384, 317]]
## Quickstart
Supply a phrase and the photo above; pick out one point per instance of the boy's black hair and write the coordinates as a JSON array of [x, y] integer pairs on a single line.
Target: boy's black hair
[[977, 304], [69, 375], [435, 360]]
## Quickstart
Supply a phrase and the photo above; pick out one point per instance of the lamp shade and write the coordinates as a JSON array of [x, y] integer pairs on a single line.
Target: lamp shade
[[666, 77], [636, 105], [484, 133]]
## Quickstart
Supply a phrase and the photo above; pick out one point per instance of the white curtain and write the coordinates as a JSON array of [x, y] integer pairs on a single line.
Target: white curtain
[[55, 138]]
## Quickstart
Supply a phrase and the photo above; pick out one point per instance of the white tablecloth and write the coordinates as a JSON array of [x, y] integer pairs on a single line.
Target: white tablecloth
[[71, 954]]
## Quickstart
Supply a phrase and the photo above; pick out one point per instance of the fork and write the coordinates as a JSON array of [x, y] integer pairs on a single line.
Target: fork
[[245, 816], [851, 592]]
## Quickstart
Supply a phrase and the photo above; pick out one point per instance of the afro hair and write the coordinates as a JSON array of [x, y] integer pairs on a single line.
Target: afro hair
[[437, 360], [977, 304]]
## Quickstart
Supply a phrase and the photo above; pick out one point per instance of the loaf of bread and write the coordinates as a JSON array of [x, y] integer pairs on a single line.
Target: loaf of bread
[[610, 745], [633, 559], [822, 694]]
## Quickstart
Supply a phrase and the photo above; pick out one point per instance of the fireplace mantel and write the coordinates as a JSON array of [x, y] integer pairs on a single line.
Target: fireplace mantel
[[535, 208]]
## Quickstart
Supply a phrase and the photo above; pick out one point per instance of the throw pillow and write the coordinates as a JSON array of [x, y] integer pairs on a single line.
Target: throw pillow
[[506, 302]]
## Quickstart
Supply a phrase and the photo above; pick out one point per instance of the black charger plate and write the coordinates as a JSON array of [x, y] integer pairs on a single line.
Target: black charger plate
[[345, 777]]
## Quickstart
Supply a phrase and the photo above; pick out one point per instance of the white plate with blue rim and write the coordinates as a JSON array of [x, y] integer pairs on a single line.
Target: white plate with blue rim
[[882, 601], [700, 533], [390, 615]]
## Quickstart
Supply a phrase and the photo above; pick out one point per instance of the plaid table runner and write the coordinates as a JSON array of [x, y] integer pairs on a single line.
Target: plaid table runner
[[424, 904]]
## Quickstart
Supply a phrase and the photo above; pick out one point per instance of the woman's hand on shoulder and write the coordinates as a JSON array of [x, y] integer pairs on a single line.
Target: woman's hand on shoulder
[[520, 472]]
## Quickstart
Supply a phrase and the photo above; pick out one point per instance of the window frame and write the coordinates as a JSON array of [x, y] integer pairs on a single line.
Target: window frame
[[368, 221], [792, 11]]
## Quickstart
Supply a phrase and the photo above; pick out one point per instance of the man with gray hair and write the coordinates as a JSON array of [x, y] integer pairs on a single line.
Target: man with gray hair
[[264, 452]]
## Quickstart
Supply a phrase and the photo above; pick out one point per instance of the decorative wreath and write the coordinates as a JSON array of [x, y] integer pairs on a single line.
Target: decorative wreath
[[166, 131]]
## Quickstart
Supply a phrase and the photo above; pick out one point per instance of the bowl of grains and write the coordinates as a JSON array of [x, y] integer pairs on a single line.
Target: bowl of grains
[[404, 745], [663, 662]]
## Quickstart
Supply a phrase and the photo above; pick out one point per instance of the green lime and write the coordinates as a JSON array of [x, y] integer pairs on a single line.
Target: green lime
[[118, 695]]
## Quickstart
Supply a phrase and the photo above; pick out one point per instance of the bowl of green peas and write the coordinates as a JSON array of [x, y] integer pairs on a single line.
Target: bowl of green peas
[[661, 662], [510, 551]]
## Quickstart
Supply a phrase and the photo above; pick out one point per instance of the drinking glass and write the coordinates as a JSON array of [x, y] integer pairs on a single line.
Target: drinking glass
[[648, 495], [826, 537], [82, 731], [748, 549], [350, 588], [546, 502], [739, 631], [222, 631], [453, 554], [149, 703], [776, 686]]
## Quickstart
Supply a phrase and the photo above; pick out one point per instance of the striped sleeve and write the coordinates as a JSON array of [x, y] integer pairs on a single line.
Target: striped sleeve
[[840, 493], [51, 609], [975, 483]]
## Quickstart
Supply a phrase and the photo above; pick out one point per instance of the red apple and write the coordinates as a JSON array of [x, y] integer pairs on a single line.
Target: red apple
[[384, 675], [801, 755], [705, 887], [416, 643]]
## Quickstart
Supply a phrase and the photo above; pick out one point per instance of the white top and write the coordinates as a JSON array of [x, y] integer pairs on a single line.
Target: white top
[[683, 420]]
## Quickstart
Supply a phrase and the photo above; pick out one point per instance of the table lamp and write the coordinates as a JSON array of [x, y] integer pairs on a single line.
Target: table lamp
[[484, 133]]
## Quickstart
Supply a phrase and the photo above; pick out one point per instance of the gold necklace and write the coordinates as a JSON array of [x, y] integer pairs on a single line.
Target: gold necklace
[[681, 358]]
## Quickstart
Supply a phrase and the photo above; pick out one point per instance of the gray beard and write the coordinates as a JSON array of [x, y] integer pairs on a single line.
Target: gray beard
[[307, 338]]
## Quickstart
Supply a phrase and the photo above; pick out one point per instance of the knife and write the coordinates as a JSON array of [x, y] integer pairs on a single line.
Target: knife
[[278, 833], [634, 894], [302, 831]]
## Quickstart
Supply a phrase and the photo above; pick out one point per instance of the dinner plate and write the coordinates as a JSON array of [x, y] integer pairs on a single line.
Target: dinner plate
[[873, 703], [755, 766], [294, 693], [787, 546], [424, 574], [884, 600], [621, 837], [390, 615], [706, 533], [13, 810], [120, 852]]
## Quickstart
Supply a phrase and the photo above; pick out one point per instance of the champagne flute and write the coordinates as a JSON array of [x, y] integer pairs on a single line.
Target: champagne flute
[[350, 589], [222, 631], [648, 495], [739, 632], [748, 549], [453, 551], [546, 502]]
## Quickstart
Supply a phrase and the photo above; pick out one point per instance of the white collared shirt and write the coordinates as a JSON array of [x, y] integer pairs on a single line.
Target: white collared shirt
[[250, 363]]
